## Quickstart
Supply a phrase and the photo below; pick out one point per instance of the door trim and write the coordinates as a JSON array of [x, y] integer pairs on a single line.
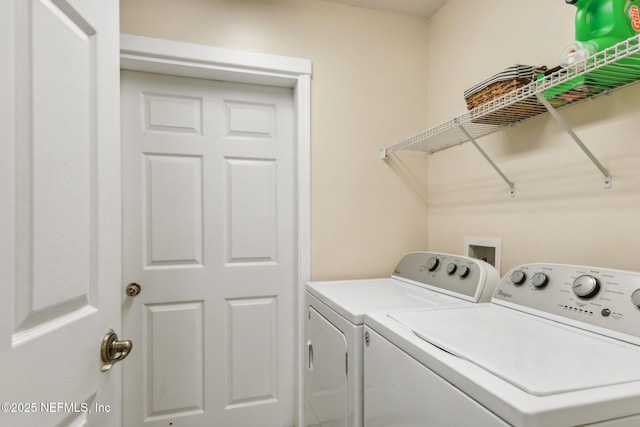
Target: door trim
[[160, 56]]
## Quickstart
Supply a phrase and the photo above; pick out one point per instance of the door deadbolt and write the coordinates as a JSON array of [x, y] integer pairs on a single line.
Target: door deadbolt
[[113, 351], [133, 289]]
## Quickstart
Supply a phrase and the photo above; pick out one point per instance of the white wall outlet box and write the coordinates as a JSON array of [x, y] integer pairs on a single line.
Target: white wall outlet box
[[486, 249]]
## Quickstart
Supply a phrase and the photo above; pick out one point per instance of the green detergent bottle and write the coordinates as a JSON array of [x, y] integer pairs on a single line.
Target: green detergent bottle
[[602, 23], [599, 24]]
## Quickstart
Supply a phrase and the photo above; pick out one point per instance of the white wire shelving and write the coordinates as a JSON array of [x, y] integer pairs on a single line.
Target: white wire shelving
[[610, 69]]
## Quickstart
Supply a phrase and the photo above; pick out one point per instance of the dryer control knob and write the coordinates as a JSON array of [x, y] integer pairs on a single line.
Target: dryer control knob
[[635, 298], [463, 271], [451, 268], [539, 280], [433, 263], [585, 286], [518, 277]]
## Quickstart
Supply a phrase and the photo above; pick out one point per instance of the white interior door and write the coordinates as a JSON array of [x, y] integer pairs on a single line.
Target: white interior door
[[209, 226], [60, 257]]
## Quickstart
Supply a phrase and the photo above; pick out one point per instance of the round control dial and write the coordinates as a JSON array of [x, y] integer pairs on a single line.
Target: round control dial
[[539, 280], [635, 298], [463, 271], [433, 263], [586, 286], [518, 277], [451, 268]]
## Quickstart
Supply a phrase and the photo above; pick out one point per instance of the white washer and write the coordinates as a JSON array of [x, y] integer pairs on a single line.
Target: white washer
[[557, 346], [334, 324]]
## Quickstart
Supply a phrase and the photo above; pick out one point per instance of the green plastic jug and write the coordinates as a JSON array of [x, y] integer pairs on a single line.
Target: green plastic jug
[[602, 23]]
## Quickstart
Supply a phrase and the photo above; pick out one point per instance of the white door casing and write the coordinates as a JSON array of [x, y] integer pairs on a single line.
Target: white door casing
[[60, 258], [213, 63]]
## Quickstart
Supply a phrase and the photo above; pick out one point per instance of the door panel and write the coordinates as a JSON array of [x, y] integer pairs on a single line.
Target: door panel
[[61, 261], [326, 373], [176, 377], [252, 202], [173, 210], [209, 225], [253, 350]]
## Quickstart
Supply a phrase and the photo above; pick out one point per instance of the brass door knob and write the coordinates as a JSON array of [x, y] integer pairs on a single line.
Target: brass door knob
[[133, 289], [113, 351]]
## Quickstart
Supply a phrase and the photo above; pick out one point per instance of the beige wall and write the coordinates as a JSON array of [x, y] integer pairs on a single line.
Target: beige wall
[[368, 91], [560, 213]]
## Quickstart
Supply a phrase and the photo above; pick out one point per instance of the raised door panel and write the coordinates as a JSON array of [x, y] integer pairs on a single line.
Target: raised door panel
[[172, 113], [57, 212], [174, 337], [252, 201], [173, 211], [252, 346], [250, 120]]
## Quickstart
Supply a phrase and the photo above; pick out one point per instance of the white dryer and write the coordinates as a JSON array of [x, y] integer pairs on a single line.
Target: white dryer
[[557, 346], [334, 324]]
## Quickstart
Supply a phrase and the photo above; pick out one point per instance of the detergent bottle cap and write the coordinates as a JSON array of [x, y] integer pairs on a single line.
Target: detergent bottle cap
[[575, 52]]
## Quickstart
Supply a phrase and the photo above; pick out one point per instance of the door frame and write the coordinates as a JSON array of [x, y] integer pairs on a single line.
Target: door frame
[[138, 53]]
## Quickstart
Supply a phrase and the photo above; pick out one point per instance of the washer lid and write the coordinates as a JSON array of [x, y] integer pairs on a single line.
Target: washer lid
[[539, 356]]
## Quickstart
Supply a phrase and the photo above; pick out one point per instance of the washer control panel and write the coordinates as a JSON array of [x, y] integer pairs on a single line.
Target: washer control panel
[[457, 275], [603, 300]]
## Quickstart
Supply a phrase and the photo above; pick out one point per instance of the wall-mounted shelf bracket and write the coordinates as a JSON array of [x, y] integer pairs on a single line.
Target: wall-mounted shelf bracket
[[512, 188], [607, 176]]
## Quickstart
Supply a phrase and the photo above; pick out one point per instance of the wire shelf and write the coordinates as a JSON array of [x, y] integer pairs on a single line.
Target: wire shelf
[[598, 74]]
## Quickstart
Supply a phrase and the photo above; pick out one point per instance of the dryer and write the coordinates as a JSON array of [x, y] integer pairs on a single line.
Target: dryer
[[334, 324], [557, 346]]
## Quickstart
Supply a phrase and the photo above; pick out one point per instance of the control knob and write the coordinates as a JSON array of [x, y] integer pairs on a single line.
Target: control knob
[[518, 277], [635, 298], [433, 263], [586, 286], [451, 268], [463, 271], [539, 280]]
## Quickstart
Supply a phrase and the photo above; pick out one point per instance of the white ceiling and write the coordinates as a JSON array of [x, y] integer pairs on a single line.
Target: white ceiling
[[424, 8]]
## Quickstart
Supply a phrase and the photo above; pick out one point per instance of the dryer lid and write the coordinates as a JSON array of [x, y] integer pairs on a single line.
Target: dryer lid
[[538, 356], [353, 298]]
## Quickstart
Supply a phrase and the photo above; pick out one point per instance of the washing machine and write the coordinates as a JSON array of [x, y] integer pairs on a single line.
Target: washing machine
[[557, 346], [334, 324]]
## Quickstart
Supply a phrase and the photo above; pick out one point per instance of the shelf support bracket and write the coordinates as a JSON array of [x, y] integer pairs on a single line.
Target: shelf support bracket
[[512, 188], [572, 134]]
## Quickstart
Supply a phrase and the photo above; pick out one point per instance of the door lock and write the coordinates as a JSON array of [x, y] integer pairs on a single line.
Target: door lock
[[133, 289], [113, 351]]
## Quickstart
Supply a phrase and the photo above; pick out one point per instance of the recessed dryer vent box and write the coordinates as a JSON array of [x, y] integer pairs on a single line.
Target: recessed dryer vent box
[[486, 249]]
